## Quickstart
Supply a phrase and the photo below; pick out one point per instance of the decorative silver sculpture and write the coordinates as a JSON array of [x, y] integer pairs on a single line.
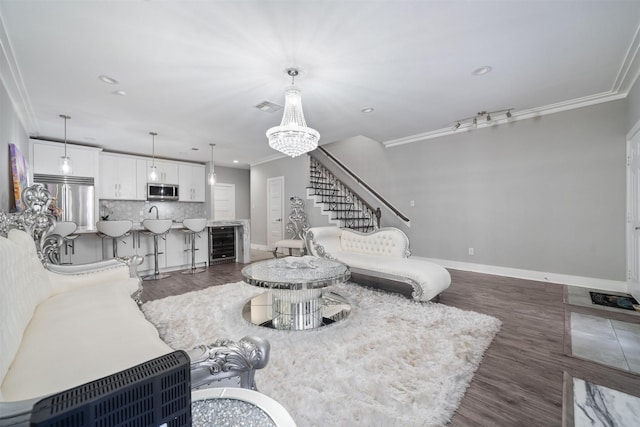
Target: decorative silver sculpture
[[298, 224], [36, 220], [296, 228]]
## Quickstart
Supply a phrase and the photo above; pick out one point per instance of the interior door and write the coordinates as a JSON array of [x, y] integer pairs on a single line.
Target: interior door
[[224, 202], [275, 210], [633, 216]]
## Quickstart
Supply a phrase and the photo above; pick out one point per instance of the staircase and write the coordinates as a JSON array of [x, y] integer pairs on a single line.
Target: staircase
[[340, 202]]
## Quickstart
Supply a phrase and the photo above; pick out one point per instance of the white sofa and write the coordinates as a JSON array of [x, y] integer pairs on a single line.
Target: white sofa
[[379, 259], [65, 328], [59, 331]]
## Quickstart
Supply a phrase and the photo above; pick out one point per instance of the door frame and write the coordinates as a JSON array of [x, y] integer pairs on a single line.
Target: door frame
[[633, 215], [269, 181], [233, 205]]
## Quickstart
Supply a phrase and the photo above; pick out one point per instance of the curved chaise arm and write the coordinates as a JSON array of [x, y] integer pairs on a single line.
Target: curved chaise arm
[[225, 359]]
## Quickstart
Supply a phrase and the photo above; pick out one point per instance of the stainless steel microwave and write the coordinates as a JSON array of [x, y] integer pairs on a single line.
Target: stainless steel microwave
[[162, 191]]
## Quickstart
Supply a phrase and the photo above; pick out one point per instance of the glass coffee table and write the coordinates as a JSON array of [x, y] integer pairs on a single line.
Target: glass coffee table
[[296, 299]]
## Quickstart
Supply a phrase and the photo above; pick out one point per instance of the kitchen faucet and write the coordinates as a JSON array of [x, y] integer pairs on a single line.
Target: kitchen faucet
[[151, 208]]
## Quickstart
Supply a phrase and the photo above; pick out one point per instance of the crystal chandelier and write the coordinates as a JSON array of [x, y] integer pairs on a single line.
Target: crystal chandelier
[[293, 137]]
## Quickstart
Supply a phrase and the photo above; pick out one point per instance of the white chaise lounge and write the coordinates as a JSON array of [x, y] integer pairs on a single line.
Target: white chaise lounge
[[380, 259]]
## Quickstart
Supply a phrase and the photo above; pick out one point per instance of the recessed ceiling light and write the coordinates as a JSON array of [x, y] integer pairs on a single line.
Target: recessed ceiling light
[[482, 70], [107, 79], [367, 110], [119, 93], [235, 161]]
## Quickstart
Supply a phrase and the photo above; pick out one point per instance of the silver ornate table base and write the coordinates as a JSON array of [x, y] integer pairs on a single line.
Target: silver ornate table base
[[296, 310]]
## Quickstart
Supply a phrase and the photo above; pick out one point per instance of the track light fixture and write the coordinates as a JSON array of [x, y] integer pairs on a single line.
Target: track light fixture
[[488, 116]]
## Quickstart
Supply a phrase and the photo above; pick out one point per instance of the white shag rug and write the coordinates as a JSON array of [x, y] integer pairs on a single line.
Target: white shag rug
[[391, 362]]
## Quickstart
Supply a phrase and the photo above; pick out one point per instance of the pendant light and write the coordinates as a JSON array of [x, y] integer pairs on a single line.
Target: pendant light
[[65, 162], [153, 171], [212, 171], [293, 137]]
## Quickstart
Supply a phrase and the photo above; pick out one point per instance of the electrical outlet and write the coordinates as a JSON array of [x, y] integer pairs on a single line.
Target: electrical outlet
[[412, 203], [470, 251]]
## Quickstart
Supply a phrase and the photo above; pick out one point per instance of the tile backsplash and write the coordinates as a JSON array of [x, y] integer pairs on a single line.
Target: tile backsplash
[[137, 211]]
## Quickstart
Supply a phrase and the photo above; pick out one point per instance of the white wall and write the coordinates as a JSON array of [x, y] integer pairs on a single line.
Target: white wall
[[238, 177], [633, 99], [295, 172], [544, 194], [11, 132]]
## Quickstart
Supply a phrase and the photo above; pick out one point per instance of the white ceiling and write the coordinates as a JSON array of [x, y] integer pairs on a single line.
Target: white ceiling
[[194, 70]]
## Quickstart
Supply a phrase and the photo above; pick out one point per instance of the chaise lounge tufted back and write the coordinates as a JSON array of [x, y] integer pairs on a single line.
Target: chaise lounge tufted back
[[385, 241]]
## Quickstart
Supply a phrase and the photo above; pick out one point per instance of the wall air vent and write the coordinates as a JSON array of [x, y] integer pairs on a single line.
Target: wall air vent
[[268, 107]]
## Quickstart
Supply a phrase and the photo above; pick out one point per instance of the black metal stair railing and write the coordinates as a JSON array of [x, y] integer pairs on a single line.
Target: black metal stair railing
[[343, 203]]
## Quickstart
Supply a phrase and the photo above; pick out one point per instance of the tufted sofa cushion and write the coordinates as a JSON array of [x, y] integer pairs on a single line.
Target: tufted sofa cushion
[[389, 242]]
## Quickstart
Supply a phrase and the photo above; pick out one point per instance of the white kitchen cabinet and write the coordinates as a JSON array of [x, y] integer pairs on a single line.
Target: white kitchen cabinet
[[179, 248], [167, 171], [191, 182], [46, 157], [142, 176], [118, 177]]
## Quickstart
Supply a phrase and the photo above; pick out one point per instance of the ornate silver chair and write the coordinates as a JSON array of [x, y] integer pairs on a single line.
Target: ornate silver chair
[[296, 229]]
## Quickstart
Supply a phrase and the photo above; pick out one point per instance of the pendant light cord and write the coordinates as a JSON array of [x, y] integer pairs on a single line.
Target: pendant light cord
[[153, 147], [65, 117]]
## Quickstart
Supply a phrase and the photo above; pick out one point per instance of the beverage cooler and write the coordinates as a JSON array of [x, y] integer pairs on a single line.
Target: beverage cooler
[[222, 244]]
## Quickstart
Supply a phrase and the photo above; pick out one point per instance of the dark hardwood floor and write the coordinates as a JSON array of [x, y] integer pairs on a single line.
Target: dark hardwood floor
[[520, 380]]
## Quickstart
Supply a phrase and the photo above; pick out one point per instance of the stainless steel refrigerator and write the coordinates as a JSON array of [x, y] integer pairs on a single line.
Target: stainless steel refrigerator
[[74, 197]]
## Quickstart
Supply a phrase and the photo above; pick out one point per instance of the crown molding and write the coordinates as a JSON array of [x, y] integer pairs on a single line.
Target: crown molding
[[268, 159], [630, 68], [519, 115], [627, 76], [14, 84]]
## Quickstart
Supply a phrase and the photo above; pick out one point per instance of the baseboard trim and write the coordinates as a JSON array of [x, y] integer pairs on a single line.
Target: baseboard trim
[[258, 247], [540, 276]]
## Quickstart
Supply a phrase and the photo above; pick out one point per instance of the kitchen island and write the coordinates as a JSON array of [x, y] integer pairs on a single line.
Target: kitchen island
[[89, 247]]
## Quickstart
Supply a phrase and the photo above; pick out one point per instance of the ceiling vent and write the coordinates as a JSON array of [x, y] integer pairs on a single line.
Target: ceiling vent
[[268, 107]]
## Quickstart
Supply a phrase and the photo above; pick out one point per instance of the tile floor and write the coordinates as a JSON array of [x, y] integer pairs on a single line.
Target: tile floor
[[596, 337], [607, 341]]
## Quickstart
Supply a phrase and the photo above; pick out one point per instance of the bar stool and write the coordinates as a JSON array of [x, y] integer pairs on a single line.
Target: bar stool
[[157, 228], [194, 226], [114, 230], [65, 229]]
